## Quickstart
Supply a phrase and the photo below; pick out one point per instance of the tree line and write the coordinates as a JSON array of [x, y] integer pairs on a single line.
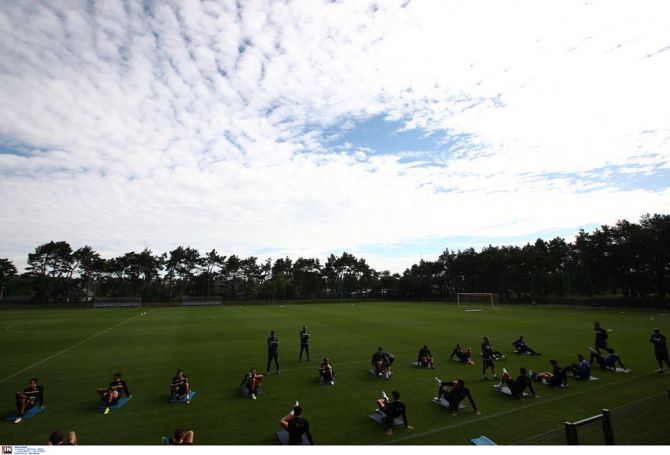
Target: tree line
[[627, 260]]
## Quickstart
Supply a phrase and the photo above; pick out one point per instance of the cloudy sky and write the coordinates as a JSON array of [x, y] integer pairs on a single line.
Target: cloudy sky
[[390, 129]]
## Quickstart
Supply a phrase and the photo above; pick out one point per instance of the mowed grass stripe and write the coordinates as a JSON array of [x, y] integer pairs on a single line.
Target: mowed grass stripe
[[63, 351], [216, 346]]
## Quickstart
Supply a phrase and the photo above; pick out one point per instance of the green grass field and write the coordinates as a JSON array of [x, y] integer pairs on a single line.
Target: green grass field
[[75, 351]]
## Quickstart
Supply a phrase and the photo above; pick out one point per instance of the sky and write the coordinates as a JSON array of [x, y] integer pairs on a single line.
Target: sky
[[388, 129]]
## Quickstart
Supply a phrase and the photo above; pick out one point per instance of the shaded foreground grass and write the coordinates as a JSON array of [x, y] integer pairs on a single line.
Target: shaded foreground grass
[[73, 352]]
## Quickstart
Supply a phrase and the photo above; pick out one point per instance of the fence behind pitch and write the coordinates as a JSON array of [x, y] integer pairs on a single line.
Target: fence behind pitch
[[202, 301], [117, 302]]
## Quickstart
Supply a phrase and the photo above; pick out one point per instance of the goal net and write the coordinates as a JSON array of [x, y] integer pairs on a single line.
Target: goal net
[[201, 301], [117, 302], [477, 299]]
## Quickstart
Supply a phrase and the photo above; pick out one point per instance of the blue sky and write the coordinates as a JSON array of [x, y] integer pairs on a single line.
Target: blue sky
[[391, 130]]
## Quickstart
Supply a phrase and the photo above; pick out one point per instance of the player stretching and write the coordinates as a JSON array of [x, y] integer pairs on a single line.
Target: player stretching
[[425, 357], [58, 439], [463, 355], [457, 394], [392, 410], [581, 369], [326, 372], [273, 352], [522, 348], [296, 425], [180, 386], [111, 394], [609, 362], [518, 385], [31, 396], [252, 382]]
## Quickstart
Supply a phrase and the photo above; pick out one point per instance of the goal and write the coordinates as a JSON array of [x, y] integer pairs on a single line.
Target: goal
[[477, 299]]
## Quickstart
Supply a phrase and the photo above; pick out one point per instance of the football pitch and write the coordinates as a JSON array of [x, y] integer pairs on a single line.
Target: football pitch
[[75, 351]]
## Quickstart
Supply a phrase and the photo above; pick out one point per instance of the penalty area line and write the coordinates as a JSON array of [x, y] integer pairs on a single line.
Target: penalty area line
[[478, 419], [102, 332]]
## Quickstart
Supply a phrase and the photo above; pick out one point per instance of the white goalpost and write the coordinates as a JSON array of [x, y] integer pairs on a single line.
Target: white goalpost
[[477, 299]]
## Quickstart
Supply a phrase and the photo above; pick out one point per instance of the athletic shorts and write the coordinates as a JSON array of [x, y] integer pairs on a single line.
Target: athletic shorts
[[661, 356], [601, 344], [114, 400]]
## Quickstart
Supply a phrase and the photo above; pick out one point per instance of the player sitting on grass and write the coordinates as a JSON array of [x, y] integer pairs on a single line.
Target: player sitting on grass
[[487, 359], [377, 361], [609, 362], [326, 372], [555, 378], [522, 348], [182, 438], [392, 410], [110, 396], [581, 369], [56, 439], [517, 386], [252, 382], [387, 361], [497, 355], [381, 363], [180, 386], [425, 357], [296, 425], [462, 354], [31, 396], [455, 395]]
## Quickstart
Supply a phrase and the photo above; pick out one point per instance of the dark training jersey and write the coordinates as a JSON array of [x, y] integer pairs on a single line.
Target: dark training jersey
[[584, 369], [177, 380], [304, 337], [180, 381], [395, 409], [247, 379], [659, 342], [120, 386], [611, 360], [522, 382], [519, 344], [297, 427], [601, 334], [455, 396], [377, 356], [35, 396], [273, 345]]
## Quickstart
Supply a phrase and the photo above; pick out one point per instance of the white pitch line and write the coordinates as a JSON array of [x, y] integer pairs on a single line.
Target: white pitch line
[[539, 402], [67, 349]]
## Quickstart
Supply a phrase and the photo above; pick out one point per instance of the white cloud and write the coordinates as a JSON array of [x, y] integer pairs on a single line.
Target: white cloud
[[200, 123]]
